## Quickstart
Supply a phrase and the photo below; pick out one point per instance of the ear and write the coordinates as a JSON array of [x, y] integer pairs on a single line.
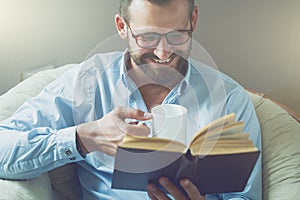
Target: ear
[[195, 17], [121, 26]]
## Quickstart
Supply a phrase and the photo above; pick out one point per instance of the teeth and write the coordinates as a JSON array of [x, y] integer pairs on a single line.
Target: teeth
[[162, 61]]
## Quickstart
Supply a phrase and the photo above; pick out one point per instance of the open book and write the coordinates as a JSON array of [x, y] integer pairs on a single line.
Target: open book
[[219, 159]]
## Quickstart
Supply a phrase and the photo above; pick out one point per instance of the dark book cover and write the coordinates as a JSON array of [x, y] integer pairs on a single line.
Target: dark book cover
[[135, 168]]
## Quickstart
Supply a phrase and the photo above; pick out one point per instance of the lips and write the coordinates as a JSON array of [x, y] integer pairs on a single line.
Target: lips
[[163, 61]]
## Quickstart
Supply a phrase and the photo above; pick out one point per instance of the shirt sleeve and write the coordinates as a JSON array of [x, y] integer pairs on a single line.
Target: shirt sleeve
[[40, 136], [240, 103]]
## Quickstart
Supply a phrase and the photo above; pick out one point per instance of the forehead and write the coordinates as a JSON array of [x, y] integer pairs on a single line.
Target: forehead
[[174, 15]]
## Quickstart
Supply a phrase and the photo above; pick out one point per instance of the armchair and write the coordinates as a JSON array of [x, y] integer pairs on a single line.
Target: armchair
[[280, 140]]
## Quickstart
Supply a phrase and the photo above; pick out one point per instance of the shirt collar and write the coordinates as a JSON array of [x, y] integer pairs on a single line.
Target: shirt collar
[[182, 86], [127, 81]]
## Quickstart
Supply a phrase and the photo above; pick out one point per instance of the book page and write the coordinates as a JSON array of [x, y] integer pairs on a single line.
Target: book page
[[218, 132], [228, 150], [228, 129], [227, 119], [222, 147], [233, 139], [152, 143], [223, 136]]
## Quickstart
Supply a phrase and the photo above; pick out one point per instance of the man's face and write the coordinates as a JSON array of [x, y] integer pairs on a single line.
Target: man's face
[[163, 62]]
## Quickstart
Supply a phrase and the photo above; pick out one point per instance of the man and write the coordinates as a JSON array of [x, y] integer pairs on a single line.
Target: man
[[81, 116]]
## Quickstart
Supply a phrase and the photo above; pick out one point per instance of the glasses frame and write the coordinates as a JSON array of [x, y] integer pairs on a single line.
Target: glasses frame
[[135, 36]]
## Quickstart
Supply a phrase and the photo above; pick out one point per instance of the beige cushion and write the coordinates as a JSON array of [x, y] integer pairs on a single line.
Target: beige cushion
[[36, 189], [16, 96], [281, 150]]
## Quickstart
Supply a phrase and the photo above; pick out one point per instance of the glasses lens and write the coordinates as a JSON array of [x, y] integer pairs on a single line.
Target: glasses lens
[[148, 39], [178, 37]]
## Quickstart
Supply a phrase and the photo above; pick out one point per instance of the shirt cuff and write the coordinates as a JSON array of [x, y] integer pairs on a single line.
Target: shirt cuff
[[66, 145]]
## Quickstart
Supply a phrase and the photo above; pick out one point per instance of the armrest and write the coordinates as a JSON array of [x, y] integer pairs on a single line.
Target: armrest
[[280, 150], [291, 112]]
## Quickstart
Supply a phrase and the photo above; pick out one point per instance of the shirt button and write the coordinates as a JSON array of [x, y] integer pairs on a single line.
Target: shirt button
[[68, 152], [73, 158]]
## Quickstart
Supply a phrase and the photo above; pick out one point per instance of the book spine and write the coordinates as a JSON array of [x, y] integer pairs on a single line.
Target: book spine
[[188, 167]]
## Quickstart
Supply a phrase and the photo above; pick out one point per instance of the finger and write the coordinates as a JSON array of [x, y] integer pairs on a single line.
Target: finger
[[156, 193], [122, 128], [133, 123], [122, 113], [191, 190], [151, 196], [171, 188], [110, 150], [139, 130], [132, 113]]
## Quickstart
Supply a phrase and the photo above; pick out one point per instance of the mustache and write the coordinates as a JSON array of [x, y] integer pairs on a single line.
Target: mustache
[[148, 55]]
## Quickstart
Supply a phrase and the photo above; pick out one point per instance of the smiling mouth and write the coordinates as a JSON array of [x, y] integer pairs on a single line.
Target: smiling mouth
[[163, 61]]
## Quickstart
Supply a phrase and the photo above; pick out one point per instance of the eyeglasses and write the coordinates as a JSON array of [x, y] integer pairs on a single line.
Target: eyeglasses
[[150, 40]]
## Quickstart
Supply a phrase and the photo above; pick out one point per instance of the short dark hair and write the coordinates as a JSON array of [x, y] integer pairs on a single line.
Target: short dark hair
[[125, 4]]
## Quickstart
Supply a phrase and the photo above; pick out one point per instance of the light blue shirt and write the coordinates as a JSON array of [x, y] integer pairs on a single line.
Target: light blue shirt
[[40, 136]]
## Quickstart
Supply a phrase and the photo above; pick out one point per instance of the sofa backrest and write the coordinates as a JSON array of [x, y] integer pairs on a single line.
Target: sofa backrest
[[30, 87], [281, 152]]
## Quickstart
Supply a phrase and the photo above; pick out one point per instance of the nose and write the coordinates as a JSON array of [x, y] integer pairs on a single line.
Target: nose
[[163, 49]]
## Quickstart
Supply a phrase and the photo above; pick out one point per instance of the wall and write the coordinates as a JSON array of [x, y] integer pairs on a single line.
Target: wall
[[256, 42], [35, 33]]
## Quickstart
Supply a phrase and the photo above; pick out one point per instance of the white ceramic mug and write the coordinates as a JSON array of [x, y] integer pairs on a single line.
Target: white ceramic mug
[[169, 121]]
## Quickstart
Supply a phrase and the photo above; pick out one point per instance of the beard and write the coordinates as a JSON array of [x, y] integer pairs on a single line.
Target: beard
[[161, 73]]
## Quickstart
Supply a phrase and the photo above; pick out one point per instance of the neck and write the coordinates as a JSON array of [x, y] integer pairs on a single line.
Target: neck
[[153, 94]]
